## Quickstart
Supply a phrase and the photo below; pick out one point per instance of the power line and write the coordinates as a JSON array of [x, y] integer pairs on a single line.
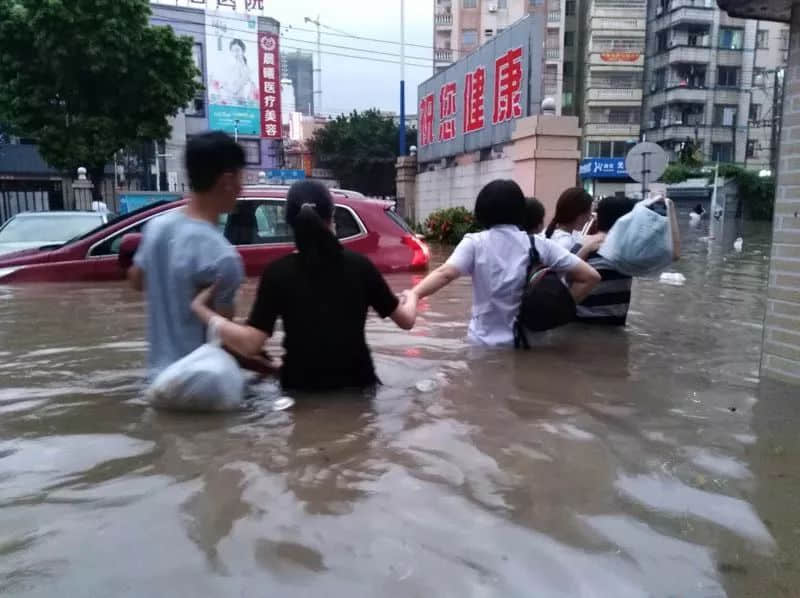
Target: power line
[[305, 41], [371, 39]]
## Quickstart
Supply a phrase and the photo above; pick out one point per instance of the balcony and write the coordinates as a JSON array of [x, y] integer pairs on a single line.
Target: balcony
[[677, 132], [443, 20], [691, 16], [618, 24], [677, 93], [623, 130], [443, 55], [552, 53], [729, 57], [682, 55], [614, 95], [554, 17], [727, 95]]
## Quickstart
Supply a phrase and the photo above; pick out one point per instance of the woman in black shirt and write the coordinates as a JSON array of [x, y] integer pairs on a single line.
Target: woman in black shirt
[[322, 293]]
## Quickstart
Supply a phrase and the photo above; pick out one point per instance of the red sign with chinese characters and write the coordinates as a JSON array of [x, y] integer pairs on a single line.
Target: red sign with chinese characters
[[426, 120], [474, 84], [269, 81], [447, 111], [507, 85]]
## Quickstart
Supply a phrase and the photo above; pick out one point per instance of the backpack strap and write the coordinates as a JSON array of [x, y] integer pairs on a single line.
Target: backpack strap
[[520, 340]]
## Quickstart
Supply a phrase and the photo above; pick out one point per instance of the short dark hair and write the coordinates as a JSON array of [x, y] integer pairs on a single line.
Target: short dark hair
[[611, 209], [500, 202], [534, 214], [237, 42], [209, 156]]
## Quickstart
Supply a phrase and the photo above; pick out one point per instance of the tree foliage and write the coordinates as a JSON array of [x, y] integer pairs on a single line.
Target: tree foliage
[[361, 150], [86, 78]]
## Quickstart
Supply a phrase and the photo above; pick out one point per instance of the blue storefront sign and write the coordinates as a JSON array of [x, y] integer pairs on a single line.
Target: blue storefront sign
[[130, 201], [603, 168], [285, 174]]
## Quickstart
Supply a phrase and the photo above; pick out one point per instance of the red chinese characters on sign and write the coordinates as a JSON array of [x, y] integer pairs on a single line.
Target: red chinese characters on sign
[[269, 85], [426, 120], [447, 111], [474, 85], [507, 86]]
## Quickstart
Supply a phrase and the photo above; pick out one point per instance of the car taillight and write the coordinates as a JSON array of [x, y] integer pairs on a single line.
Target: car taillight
[[422, 254]]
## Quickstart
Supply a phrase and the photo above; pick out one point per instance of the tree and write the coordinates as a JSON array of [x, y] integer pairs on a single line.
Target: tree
[[86, 78], [361, 150]]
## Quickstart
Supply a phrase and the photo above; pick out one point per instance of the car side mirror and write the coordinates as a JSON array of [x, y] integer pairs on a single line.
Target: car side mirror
[[127, 249]]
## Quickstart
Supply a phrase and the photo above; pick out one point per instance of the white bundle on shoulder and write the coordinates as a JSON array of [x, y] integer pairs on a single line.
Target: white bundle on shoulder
[[207, 379]]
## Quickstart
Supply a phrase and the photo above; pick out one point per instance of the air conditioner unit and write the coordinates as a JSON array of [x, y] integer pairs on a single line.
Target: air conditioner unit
[[653, 86], [493, 8], [651, 124]]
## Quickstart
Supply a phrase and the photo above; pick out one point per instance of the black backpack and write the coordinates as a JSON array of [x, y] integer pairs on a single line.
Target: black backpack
[[546, 301]]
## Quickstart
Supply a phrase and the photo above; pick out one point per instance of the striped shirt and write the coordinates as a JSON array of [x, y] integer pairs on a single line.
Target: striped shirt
[[609, 301]]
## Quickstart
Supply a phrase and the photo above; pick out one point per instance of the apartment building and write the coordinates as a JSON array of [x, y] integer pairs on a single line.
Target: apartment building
[[610, 85], [715, 80], [460, 26], [298, 66]]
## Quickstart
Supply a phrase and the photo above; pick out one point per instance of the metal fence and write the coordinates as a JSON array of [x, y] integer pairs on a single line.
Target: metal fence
[[45, 195]]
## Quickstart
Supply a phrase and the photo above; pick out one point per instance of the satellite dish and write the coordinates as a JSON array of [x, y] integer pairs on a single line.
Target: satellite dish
[[645, 163]]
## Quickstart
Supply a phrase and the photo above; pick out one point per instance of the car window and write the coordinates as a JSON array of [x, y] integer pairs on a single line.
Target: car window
[[110, 246], [257, 222], [346, 224], [55, 228]]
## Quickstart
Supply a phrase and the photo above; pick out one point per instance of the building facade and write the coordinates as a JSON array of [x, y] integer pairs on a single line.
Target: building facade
[[714, 80], [298, 66], [461, 26], [610, 84]]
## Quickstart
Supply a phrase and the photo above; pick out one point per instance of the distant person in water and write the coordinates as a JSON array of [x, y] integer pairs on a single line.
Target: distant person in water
[[497, 260], [322, 294], [573, 211], [696, 215], [534, 216]]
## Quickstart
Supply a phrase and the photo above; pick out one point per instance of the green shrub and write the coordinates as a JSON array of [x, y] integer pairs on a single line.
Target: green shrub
[[450, 225]]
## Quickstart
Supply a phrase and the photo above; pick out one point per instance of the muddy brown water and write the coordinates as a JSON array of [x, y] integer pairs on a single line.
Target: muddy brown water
[[643, 462]]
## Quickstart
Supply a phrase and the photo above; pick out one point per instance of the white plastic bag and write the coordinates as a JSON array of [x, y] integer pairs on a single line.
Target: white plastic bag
[[207, 379], [640, 243]]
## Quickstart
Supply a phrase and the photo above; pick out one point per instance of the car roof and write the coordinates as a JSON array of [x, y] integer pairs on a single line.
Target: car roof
[[285, 188]]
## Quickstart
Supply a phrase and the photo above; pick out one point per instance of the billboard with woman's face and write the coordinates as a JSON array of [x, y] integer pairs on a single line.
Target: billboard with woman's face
[[232, 67]]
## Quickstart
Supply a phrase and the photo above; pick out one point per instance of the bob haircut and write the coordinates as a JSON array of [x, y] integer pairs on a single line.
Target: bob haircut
[[500, 202]]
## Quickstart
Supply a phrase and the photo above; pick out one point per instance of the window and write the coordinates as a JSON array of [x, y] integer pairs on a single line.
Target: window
[[569, 8], [662, 42], [755, 113], [110, 246], [569, 69], [252, 150], [256, 222], [762, 39], [722, 152], [656, 118], [758, 76], [699, 37], [469, 38], [346, 224], [470, 3], [197, 105], [752, 147], [727, 76], [502, 3], [730, 38], [606, 149], [724, 116], [569, 39], [566, 99], [659, 79]]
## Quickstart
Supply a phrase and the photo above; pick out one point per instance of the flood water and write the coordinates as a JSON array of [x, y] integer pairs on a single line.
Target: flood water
[[648, 461]]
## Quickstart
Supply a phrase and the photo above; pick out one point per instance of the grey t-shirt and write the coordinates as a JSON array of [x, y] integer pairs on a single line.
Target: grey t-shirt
[[180, 256]]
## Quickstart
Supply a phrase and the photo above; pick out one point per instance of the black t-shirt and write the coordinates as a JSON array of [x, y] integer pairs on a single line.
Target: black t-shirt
[[324, 311]]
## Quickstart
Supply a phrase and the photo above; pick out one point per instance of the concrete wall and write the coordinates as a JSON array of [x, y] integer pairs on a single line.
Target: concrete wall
[[457, 185], [781, 349]]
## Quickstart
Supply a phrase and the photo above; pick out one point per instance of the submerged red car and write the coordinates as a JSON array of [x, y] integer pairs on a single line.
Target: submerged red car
[[257, 227]]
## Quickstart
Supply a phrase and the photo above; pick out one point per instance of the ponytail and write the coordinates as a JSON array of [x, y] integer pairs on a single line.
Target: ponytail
[[551, 228], [309, 212]]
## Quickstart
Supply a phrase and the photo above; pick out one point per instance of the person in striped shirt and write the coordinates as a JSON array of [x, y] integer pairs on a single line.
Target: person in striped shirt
[[608, 302]]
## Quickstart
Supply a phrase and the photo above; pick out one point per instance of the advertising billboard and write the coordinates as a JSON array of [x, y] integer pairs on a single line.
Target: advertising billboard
[[473, 104], [247, 6], [232, 65], [269, 81], [603, 168]]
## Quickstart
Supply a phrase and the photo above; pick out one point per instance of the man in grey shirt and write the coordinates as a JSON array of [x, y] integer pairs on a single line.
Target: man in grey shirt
[[183, 252]]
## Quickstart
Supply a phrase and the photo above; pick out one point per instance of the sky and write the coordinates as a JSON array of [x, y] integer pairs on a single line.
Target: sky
[[351, 83]]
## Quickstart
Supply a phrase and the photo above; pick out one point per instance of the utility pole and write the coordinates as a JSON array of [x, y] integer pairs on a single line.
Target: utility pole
[[401, 141], [777, 115], [318, 69]]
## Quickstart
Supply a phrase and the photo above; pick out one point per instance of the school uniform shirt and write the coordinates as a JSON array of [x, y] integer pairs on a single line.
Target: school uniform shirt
[[497, 260], [564, 239], [324, 311], [609, 301]]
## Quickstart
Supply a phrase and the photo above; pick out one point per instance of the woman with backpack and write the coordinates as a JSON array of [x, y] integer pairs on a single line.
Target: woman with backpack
[[321, 293], [498, 260], [573, 211]]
